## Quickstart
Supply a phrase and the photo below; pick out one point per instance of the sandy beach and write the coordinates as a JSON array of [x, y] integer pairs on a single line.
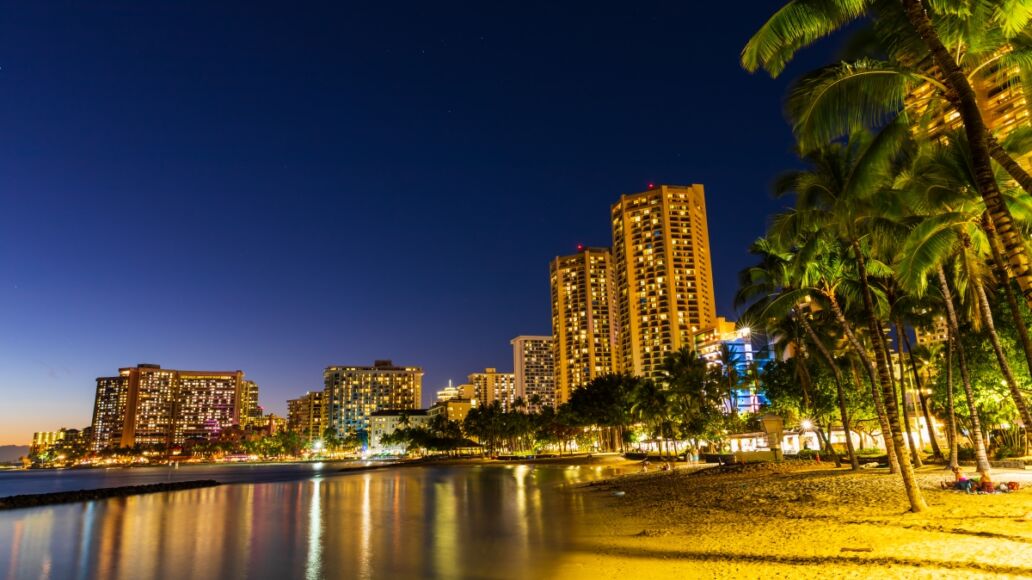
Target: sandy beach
[[793, 521]]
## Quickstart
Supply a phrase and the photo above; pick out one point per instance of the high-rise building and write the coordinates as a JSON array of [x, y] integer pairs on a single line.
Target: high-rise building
[[663, 273], [306, 415], [147, 405], [534, 370], [353, 393], [109, 411], [584, 324], [491, 385], [250, 410]]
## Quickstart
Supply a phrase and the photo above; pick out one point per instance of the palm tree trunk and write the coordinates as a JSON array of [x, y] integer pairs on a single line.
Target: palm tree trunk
[[963, 97], [1001, 357], [908, 420], [839, 391], [981, 458], [951, 413], [906, 469], [872, 373], [919, 387], [1015, 170]]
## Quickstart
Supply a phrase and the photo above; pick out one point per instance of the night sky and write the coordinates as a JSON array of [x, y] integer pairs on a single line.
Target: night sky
[[277, 190]]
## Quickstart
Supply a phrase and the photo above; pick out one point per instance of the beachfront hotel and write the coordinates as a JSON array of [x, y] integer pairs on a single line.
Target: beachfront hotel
[[663, 274], [354, 393], [306, 415], [491, 385], [533, 364], [147, 405], [584, 329]]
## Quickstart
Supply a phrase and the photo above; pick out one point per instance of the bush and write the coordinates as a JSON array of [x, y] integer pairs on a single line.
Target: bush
[[1006, 451], [966, 454], [807, 454]]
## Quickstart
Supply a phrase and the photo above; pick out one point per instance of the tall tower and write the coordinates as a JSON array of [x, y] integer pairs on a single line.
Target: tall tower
[[534, 367], [584, 329], [664, 277]]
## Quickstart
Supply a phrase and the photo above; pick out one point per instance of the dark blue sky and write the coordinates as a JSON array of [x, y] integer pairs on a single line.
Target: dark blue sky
[[276, 190]]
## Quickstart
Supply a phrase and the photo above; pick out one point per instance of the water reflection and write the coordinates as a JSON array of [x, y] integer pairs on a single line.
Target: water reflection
[[485, 522]]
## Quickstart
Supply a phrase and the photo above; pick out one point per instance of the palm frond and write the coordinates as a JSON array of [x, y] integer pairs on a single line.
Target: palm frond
[[843, 98], [796, 25]]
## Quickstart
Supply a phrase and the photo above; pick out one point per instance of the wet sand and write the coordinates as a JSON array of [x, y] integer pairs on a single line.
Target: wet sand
[[800, 521]]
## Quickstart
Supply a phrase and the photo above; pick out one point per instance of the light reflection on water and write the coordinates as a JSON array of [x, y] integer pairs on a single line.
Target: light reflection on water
[[485, 522]]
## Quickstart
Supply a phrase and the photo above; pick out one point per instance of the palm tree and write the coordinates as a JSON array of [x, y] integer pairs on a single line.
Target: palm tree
[[958, 231], [651, 405], [802, 22], [831, 199], [763, 284]]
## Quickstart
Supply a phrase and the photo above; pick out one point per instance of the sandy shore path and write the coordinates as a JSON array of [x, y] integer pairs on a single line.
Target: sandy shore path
[[796, 522]]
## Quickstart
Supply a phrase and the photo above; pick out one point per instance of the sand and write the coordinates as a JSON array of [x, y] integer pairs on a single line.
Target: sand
[[797, 521]]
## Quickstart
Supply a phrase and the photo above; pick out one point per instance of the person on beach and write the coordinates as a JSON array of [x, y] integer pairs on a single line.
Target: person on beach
[[645, 465]]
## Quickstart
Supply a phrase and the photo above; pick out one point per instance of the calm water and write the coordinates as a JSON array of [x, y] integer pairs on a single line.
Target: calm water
[[419, 522]]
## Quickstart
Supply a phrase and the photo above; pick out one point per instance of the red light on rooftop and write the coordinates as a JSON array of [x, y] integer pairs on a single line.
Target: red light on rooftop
[[652, 185], [580, 247]]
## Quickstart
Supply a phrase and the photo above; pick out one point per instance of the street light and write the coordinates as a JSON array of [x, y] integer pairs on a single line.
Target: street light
[[772, 426]]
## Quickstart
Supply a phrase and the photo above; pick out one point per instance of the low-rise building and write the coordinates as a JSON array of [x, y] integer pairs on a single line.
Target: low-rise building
[[449, 392], [386, 422], [452, 409]]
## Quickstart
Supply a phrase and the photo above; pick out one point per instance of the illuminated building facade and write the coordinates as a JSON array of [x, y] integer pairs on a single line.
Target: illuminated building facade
[[109, 411], [491, 385], [663, 274], [386, 422], [584, 328], [452, 409], [749, 352], [306, 415], [1002, 99], [43, 440], [449, 392], [534, 370], [250, 410], [147, 405], [937, 333], [353, 393]]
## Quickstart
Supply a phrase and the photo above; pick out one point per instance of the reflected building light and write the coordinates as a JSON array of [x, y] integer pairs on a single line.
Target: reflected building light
[[313, 566]]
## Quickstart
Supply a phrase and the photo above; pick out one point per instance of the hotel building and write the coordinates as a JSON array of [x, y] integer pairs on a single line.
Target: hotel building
[[147, 405], [354, 393], [306, 415], [491, 385], [664, 279], [584, 325], [250, 410], [534, 370]]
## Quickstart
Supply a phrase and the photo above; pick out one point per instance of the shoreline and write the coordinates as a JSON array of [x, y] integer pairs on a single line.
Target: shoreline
[[83, 495]]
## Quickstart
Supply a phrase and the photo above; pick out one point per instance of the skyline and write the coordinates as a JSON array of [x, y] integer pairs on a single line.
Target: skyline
[[171, 232]]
